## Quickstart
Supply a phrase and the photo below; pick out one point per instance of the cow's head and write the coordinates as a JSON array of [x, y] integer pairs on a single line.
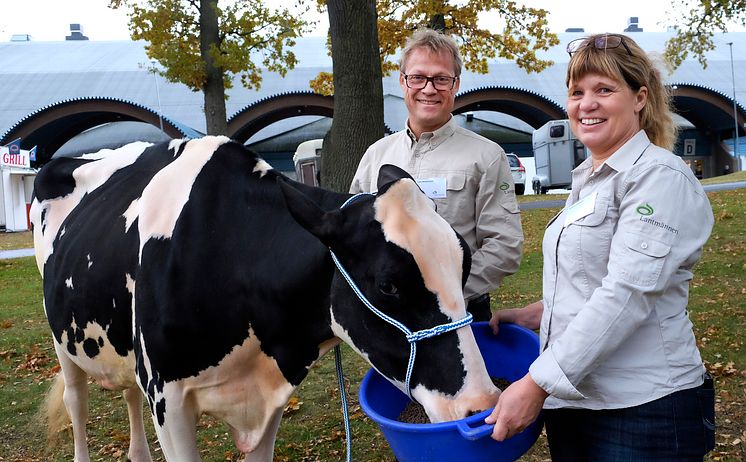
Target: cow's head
[[411, 265]]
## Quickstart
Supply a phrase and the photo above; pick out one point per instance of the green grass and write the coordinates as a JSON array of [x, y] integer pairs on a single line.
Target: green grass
[[737, 176], [314, 431]]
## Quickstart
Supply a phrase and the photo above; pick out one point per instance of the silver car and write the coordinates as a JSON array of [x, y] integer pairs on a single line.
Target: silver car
[[519, 173]]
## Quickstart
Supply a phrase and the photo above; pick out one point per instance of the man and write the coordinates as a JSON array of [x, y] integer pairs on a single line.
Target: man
[[467, 176]]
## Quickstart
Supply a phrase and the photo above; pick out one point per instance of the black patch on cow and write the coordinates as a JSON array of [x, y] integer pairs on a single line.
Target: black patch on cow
[[101, 342], [96, 227], [90, 347], [55, 179], [160, 411], [237, 261], [389, 174], [79, 335]]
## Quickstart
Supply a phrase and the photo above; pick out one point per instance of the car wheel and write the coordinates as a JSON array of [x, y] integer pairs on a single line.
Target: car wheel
[[519, 189]]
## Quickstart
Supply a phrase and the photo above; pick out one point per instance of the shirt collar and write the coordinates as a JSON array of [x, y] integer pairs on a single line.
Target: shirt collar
[[624, 158], [435, 137]]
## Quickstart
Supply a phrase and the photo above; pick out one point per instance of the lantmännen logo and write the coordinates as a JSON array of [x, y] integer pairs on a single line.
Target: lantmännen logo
[[645, 210]]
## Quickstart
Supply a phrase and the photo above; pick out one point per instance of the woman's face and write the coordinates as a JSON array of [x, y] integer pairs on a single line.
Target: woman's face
[[604, 113]]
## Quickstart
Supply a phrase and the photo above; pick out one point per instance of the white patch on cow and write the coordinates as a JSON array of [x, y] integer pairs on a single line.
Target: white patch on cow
[[130, 283], [245, 390], [108, 368], [261, 166], [38, 226], [342, 333], [130, 215], [165, 196], [69, 283], [174, 145], [88, 257], [409, 221], [87, 178], [62, 233]]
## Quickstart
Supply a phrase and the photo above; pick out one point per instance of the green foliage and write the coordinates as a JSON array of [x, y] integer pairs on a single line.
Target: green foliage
[[697, 22], [250, 36], [524, 32]]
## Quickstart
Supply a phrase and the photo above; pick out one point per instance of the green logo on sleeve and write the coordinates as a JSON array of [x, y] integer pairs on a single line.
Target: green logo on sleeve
[[645, 210], [504, 186]]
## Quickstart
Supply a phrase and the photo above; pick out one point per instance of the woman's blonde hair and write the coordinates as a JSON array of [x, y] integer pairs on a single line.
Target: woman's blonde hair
[[630, 64]]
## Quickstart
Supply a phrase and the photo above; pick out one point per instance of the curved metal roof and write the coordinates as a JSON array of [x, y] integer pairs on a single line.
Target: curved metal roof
[[53, 125], [705, 107], [522, 103], [259, 114]]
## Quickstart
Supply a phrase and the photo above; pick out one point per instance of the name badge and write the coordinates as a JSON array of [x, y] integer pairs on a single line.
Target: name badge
[[580, 209], [434, 188]]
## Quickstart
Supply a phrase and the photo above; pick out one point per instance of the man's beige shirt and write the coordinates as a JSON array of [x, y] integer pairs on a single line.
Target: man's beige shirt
[[480, 201]]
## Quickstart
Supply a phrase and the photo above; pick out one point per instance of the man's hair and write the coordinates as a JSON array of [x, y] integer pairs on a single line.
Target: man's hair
[[433, 41], [629, 64]]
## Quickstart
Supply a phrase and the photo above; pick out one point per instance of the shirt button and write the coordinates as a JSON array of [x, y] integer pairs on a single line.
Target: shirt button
[[644, 245]]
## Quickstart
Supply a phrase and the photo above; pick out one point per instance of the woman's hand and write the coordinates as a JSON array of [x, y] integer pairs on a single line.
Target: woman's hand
[[529, 316], [518, 406]]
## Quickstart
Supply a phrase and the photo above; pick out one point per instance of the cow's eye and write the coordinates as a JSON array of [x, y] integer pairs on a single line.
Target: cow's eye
[[388, 288]]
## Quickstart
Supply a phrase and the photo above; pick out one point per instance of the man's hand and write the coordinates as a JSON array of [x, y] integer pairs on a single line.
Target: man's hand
[[529, 316], [518, 406]]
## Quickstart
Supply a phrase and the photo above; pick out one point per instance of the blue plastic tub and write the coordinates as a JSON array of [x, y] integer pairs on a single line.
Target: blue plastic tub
[[507, 356]]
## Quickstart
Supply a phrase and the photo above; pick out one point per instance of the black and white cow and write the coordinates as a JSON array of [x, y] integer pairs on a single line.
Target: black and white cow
[[196, 272]]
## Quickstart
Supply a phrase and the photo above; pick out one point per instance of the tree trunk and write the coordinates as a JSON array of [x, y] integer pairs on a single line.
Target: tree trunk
[[214, 90], [358, 90]]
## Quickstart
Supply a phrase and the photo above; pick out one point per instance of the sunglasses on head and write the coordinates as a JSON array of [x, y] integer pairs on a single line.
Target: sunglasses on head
[[601, 42]]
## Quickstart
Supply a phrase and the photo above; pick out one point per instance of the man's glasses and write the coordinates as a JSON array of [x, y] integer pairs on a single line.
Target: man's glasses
[[602, 42], [440, 82]]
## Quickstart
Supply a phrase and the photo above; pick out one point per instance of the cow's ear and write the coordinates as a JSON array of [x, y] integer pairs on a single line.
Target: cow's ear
[[310, 216], [389, 174]]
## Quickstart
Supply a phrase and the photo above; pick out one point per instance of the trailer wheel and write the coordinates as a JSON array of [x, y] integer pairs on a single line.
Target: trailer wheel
[[544, 190]]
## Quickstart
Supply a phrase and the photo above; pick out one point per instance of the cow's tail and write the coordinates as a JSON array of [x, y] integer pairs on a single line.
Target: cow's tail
[[53, 410]]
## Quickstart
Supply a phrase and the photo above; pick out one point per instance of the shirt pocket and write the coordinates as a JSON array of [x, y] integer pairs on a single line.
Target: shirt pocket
[[643, 259], [591, 235], [456, 203]]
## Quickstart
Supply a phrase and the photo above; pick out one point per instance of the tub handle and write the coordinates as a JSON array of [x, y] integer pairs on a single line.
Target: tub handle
[[474, 429]]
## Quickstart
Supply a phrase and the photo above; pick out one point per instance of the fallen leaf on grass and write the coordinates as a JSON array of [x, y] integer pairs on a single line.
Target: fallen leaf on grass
[[7, 324], [292, 405]]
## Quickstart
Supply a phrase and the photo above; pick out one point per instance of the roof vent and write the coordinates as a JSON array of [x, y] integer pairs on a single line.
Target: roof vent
[[575, 29], [632, 25], [76, 33]]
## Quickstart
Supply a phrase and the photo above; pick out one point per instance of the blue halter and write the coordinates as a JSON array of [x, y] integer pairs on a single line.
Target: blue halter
[[412, 337]]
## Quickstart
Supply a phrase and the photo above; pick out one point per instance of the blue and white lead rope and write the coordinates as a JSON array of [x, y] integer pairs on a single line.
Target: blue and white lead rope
[[412, 337]]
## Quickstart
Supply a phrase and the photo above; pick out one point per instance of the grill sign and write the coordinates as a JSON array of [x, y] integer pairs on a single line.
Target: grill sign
[[18, 159]]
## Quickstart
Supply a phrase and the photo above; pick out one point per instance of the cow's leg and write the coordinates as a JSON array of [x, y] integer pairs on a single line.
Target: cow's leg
[[75, 398], [178, 434], [264, 452], [138, 450]]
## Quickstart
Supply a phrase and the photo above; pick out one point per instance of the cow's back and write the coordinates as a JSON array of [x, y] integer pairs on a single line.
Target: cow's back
[[86, 226], [225, 265]]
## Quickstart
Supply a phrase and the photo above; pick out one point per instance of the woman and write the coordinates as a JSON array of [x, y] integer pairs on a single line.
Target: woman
[[619, 375]]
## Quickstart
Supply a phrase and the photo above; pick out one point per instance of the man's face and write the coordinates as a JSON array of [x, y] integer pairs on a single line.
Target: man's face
[[429, 109]]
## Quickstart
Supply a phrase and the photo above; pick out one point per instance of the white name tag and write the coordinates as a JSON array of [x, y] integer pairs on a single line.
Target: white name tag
[[580, 209], [434, 188]]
